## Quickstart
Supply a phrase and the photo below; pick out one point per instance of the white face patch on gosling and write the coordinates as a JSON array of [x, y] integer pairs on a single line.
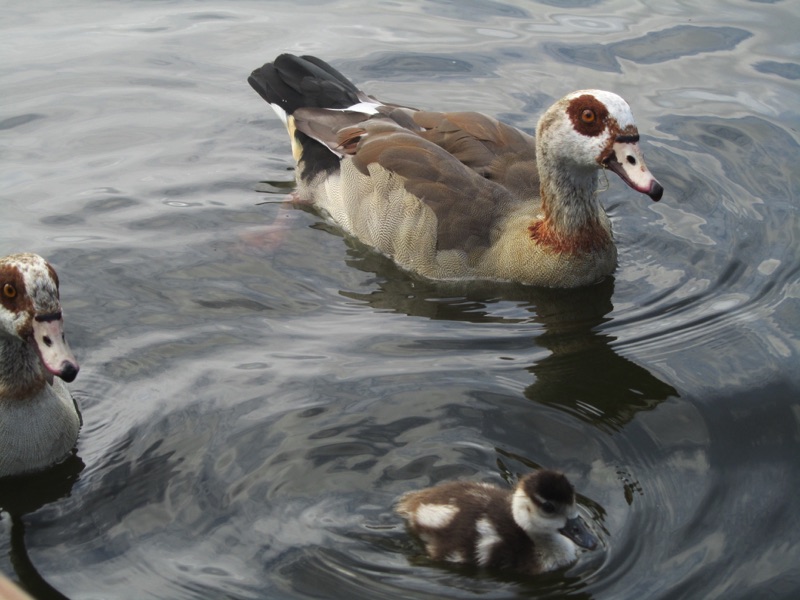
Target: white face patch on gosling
[[487, 538], [531, 519], [435, 516]]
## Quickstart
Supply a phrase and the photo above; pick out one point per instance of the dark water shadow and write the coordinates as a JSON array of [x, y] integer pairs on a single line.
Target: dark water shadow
[[586, 377], [25, 494], [582, 374], [305, 573]]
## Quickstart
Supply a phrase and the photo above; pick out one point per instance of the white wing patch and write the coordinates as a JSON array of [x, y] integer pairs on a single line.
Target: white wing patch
[[368, 108], [487, 538], [456, 556], [435, 516]]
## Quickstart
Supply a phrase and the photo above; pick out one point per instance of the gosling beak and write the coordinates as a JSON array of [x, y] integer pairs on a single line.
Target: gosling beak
[[626, 160], [52, 347], [576, 530]]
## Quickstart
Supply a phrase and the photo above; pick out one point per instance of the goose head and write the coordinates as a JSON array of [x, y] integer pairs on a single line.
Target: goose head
[[32, 342], [594, 129], [543, 504]]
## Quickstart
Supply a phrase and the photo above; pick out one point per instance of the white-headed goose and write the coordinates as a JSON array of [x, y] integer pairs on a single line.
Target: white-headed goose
[[459, 195], [532, 529], [39, 420]]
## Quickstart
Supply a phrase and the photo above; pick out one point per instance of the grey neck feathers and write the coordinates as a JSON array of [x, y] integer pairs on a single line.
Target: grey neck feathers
[[569, 198], [21, 373]]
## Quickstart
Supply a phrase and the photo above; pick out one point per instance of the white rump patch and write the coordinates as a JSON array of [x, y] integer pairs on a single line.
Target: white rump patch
[[281, 113], [456, 556], [435, 516], [487, 538]]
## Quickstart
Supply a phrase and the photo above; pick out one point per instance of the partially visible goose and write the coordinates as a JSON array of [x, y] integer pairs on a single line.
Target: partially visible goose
[[532, 529], [459, 195], [39, 420]]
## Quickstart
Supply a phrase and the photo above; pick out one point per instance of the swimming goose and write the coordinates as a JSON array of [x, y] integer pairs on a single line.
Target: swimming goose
[[459, 195], [39, 420], [532, 529]]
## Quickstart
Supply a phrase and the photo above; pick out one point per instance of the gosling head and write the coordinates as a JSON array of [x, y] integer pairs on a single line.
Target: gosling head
[[543, 504]]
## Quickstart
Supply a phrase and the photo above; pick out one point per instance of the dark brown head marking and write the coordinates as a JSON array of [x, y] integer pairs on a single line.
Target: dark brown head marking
[[589, 116], [549, 486]]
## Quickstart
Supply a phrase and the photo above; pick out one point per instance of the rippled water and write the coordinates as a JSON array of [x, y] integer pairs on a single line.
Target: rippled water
[[257, 390]]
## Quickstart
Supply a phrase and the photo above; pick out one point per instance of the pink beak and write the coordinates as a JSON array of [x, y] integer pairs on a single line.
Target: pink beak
[[52, 347], [626, 160]]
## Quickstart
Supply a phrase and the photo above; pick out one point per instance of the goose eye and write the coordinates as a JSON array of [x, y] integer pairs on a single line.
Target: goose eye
[[548, 508], [588, 115], [9, 291]]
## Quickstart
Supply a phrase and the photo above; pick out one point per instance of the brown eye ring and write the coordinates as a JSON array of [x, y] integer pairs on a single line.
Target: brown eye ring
[[9, 291], [588, 115]]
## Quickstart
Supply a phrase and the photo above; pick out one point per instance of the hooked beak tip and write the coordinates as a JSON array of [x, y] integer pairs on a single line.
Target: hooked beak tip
[[69, 372], [577, 531], [656, 191]]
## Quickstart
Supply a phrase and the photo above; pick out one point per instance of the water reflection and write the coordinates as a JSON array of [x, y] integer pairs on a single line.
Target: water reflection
[[25, 494], [256, 424], [582, 372], [653, 47]]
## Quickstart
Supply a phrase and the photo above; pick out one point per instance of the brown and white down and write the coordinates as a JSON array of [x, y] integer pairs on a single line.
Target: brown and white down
[[39, 420], [532, 529], [459, 195]]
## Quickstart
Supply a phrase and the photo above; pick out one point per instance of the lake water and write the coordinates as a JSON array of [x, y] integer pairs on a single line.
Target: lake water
[[258, 390]]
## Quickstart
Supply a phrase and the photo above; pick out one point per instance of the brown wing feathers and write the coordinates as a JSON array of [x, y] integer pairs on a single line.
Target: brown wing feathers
[[464, 203], [457, 163], [495, 150]]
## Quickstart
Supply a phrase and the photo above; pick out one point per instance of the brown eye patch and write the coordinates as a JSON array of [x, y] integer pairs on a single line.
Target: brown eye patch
[[12, 288], [588, 115]]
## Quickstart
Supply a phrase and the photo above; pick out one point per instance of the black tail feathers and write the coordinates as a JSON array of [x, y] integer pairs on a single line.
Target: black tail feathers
[[291, 82]]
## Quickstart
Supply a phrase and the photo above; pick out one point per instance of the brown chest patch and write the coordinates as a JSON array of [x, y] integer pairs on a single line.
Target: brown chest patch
[[587, 240]]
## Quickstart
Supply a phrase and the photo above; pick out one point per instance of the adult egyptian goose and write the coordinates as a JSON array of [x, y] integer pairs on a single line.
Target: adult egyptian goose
[[532, 529], [39, 420], [459, 195]]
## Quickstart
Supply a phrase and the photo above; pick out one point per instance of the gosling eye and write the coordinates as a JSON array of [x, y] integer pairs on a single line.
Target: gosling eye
[[9, 291], [588, 115], [549, 508]]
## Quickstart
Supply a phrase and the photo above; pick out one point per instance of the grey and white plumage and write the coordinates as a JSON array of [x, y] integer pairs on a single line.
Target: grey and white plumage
[[39, 420], [531, 529], [459, 195]]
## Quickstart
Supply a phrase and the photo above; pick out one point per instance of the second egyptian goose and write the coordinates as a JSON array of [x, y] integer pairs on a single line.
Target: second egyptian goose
[[39, 420], [459, 195]]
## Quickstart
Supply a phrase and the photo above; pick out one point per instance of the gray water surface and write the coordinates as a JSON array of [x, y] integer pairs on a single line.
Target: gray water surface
[[258, 390]]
